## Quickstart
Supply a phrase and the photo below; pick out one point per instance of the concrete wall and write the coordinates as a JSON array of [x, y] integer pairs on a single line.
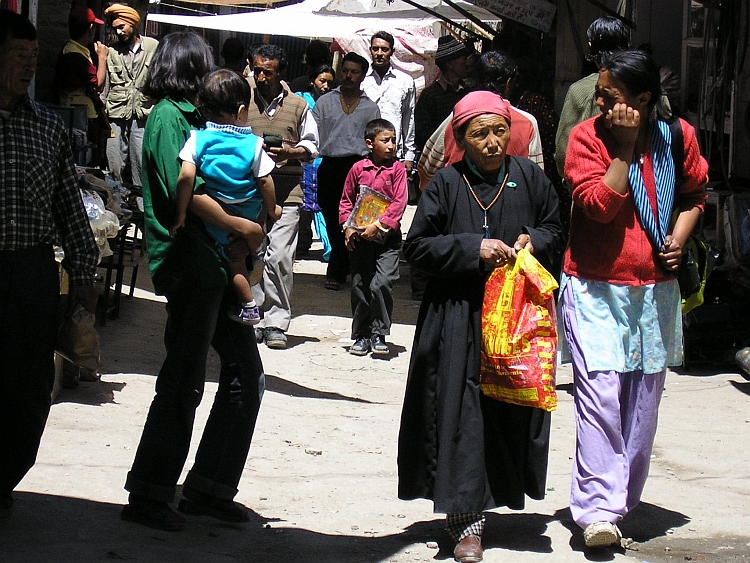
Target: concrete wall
[[659, 23]]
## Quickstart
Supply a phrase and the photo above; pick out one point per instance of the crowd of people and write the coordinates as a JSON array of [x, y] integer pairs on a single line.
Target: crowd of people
[[229, 159]]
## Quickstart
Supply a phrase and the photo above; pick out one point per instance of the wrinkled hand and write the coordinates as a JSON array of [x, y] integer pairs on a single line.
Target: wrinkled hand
[[623, 121], [523, 241], [284, 152], [86, 295], [350, 238], [671, 253], [496, 252]]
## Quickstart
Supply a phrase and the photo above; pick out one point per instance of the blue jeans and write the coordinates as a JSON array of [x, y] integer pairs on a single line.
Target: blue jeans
[[196, 320]]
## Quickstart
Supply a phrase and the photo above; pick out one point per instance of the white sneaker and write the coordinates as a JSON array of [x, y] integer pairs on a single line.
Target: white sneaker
[[601, 534]]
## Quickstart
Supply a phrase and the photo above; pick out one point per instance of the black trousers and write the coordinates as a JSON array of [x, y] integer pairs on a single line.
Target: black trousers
[[331, 177], [196, 320], [374, 269], [29, 294]]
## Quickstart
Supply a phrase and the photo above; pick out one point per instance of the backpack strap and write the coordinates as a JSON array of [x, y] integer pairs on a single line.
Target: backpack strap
[[678, 153]]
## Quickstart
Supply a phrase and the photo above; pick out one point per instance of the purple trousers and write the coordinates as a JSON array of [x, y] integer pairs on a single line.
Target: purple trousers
[[616, 418]]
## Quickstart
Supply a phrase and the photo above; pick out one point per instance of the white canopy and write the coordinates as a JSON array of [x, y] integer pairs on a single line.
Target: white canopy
[[328, 19]]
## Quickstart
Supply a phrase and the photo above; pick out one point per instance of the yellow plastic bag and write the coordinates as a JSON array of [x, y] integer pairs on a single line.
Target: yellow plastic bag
[[519, 335]]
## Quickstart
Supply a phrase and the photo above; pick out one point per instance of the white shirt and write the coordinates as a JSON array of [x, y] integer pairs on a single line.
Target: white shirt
[[395, 94]]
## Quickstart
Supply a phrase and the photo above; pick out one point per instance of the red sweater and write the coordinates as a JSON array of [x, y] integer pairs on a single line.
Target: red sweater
[[607, 242]]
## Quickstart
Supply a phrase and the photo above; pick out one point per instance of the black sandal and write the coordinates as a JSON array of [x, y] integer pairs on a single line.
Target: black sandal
[[197, 503], [154, 514]]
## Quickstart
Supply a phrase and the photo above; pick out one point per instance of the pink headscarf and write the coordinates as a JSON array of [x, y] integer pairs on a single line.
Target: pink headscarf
[[478, 103]]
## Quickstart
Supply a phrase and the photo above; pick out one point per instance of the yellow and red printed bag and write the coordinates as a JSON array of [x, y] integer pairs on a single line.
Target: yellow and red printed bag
[[519, 335]]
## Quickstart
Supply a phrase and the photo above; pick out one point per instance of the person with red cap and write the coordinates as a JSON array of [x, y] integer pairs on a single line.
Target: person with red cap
[[466, 452], [77, 80]]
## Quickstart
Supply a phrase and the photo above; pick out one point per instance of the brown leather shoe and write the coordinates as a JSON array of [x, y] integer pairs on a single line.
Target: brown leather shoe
[[468, 550]]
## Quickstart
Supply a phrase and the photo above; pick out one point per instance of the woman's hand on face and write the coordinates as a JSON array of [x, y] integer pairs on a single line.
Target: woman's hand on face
[[671, 253], [623, 121], [496, 252]]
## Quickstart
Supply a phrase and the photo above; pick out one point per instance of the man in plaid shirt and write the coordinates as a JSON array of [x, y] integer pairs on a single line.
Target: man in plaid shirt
[[40, 206]]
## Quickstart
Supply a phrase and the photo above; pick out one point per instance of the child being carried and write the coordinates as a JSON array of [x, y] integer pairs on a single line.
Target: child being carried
[[236, 170]]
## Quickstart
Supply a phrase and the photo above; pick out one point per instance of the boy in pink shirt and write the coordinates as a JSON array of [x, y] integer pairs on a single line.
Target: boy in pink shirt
[[374, 249]]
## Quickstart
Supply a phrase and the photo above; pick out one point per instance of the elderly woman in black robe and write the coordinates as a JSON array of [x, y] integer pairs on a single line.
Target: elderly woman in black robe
[[467, 452]]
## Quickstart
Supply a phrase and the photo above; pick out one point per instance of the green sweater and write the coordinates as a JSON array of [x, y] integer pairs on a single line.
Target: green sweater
[[579, 105], [191, 253]]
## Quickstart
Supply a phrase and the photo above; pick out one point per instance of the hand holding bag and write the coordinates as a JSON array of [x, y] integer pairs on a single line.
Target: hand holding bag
[[519, 335]]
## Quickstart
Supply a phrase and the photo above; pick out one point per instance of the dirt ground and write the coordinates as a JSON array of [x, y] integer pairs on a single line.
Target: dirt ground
[[321, 475]]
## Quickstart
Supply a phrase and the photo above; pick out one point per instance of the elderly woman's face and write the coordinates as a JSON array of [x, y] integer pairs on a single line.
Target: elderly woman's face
[[485, 141]]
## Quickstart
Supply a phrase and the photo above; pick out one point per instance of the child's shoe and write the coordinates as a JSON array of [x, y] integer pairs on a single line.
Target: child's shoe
[[378, 345], [255, 275], [247, 313], [361, 347]]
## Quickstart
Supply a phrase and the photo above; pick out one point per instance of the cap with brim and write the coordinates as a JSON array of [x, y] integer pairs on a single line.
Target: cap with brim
[[81, 15], [450, 48]]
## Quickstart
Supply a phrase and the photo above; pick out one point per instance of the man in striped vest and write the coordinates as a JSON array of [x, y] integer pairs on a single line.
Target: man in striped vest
[[291, 136]]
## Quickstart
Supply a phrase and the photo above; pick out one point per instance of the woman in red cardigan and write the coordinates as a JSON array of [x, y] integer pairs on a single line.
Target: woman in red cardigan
[[620, 298]]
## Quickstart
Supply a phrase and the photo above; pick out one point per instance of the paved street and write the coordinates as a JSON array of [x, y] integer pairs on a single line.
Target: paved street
[[321, 476]]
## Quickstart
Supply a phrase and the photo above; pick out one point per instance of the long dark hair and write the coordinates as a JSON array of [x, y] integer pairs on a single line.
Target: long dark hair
[[181, 61], [320, 69], [638, 73]]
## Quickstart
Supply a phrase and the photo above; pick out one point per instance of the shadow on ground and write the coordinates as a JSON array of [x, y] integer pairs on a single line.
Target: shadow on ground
[[644, 523], [70, 530]]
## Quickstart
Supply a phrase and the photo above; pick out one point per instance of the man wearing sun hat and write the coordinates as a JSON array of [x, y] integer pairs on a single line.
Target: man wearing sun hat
[[127, 106], [438, 99], [77, 81]]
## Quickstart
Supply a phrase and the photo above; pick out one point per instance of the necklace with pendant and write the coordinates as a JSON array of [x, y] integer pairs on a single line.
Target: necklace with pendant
[[484, 208], [349, 107]]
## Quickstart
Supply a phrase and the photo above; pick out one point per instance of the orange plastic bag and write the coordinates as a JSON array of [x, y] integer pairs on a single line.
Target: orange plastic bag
[[519, 335]]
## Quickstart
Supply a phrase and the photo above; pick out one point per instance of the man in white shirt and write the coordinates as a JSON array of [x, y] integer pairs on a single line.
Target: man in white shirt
[[395, 93]]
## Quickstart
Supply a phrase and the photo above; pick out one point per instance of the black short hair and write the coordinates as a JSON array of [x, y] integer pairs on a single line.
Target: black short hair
[[317, 53], [223, 91], [606, 34], [274, 53], [15, 26], [493, 70], [179, 64], [233, 50], [320, 69], [356, 58], [377, 126], [385, 36]]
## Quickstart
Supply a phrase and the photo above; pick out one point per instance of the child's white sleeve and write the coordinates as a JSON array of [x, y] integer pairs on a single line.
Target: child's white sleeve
[[263, 164], [187, 153]]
